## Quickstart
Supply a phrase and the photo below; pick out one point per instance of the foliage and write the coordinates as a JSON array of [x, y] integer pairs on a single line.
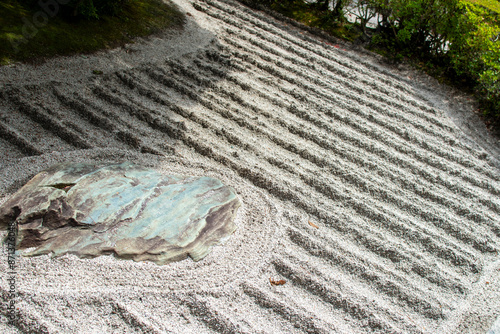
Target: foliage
[[337, 7], [462, 36], [365, 11], [419, 26], [475, 52], [493, 5], [87, 9]]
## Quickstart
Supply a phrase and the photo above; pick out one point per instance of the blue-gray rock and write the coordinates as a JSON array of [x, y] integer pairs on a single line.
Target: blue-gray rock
[[495, 328], [120, 209]]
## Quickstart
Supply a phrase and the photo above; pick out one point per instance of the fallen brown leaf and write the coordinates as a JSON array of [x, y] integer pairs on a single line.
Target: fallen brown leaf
[[273, 282], [313, 225]]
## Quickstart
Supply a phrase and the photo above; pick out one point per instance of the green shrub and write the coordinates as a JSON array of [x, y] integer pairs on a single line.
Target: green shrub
[[86, 9], [475, 52], [421, 26], [462, 37]]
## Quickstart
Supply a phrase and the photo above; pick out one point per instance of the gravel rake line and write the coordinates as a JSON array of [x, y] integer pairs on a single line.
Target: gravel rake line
[[272, 28], [439, 200], [17, 140], [210, 317], [40, 115], [385, 290], [380, 137], [357, 152], [341, 297], [332, 136], [344, 79], [451, 230], [333, 251], [370, 241], [302, 318], [339, 97]]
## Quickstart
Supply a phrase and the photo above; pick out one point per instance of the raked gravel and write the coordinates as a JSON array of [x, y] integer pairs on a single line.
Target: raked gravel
[[370, 189]]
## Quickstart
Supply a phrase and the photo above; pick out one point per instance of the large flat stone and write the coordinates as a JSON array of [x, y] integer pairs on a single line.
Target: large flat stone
[[120, 209]]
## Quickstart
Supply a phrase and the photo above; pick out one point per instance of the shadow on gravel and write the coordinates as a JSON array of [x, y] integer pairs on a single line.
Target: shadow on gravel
[[134, 98]]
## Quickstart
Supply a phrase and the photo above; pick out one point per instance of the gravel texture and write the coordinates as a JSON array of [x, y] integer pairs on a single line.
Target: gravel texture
[[366, 187]]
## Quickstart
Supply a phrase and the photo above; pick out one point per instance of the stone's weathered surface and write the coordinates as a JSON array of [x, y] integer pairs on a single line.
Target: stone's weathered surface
[[131, 211], [495, 328]]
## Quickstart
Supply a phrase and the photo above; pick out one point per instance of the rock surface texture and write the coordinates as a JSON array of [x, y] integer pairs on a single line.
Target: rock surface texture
[[124, 209]]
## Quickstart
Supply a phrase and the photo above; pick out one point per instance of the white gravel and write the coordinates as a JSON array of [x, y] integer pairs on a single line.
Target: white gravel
[[398, 178]]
